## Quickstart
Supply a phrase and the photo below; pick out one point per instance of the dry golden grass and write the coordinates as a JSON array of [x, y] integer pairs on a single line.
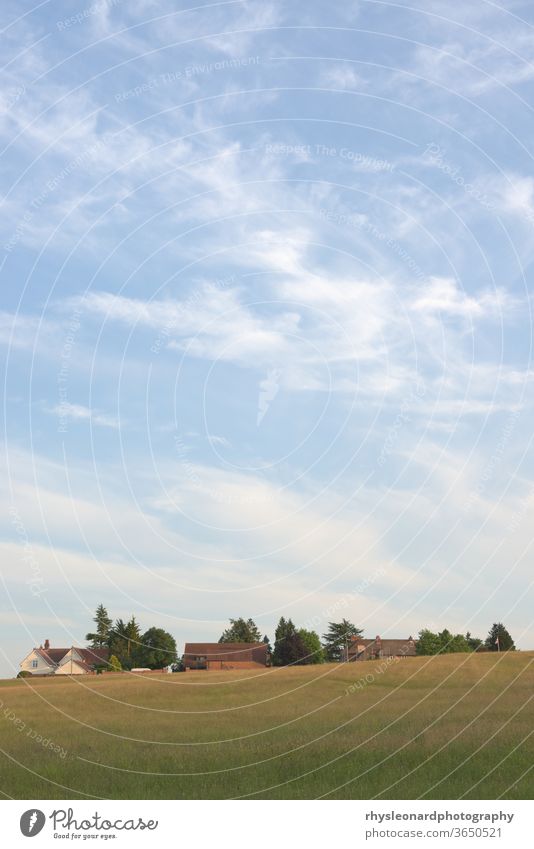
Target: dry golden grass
[[444, 727]]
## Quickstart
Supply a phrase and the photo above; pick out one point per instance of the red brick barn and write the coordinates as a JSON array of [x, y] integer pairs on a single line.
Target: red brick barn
[[217, 656]]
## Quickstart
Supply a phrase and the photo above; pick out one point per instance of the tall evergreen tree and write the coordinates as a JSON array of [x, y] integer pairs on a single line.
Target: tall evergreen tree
[[284, 629], [100, 637], [124, 641], [117, 640], [294, 651], [337, 637], [499, 639], [133, 637], [241, 631], [289, 647]]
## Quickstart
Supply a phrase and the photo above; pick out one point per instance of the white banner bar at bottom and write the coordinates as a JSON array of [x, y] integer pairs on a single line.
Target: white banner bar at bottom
[[264, 824]]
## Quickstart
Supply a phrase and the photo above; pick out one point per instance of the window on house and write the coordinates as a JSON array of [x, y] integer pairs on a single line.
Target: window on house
[[35, 664]]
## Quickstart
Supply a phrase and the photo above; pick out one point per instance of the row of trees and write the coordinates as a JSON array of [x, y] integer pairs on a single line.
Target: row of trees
[[298, 646], [292, 645], [498, 639], [156, 648], [128, 647]]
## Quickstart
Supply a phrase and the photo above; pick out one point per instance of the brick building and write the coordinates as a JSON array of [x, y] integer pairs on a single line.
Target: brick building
[[361, 649], [213, 656]]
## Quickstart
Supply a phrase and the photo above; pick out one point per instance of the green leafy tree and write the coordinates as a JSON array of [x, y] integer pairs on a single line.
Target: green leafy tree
[[157, 649], [443, 643], [452, 644], [241, 631], [114, 664], [312, 643], [474, 643], [124, 641], [100, 637], [499, 639], [337, 637], [428, 642]]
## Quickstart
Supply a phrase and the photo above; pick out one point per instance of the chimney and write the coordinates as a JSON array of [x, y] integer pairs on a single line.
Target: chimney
[[47, 645]]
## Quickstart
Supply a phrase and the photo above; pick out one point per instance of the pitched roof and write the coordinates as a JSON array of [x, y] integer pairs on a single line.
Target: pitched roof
[[227, 652], [83, 665], [91, 656], [52, 656], [386, 646]]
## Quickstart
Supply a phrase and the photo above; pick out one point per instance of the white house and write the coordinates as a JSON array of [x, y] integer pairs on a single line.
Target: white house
[[71, 661]]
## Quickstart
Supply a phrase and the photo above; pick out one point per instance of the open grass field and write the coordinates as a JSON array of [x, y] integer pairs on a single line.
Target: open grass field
[[449, 727]]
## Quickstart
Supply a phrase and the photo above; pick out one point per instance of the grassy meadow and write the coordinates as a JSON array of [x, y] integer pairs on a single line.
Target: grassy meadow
[[446, 727]]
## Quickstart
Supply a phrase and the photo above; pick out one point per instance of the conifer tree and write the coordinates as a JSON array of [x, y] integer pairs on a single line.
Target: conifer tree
[[100, 638], [337, 638], [499, 639]]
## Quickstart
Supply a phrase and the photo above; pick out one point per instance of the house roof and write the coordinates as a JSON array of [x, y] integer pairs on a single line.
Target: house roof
[[83, 665], [89, 656], [227, 652], [387, 646], [52, 656]]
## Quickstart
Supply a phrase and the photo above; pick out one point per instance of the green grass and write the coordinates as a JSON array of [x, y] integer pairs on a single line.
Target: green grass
[[437, 728]]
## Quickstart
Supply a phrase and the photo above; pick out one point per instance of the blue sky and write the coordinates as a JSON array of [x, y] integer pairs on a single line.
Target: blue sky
[[266, 316]]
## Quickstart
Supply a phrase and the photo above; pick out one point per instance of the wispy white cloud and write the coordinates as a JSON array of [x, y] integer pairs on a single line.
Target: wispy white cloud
[[375, 312], [248, 19], [444, 296], [514, 195], [77, 412], [216, 324], [218, 440], [343, 76], [19, 330], [322, 318]]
